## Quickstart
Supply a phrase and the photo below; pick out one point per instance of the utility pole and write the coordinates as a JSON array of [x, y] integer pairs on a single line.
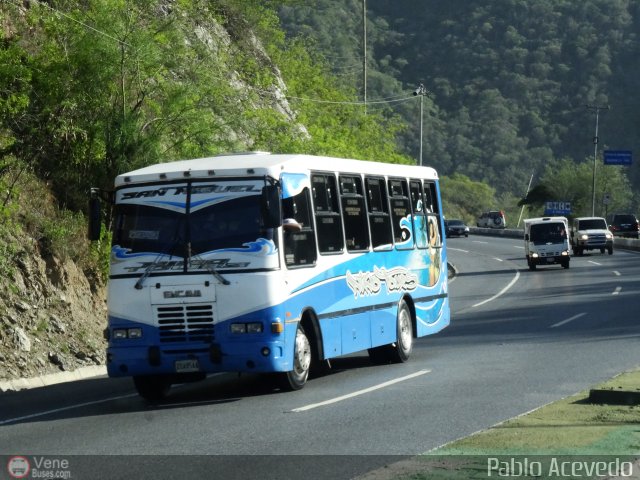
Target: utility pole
[[364, 52], [422, 92], [595, 108]]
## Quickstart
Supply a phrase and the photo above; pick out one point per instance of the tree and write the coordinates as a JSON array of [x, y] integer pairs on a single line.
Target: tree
[[465, 198], [572, 182]]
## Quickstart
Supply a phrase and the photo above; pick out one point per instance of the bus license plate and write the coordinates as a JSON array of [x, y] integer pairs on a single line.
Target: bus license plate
[[185, 366]]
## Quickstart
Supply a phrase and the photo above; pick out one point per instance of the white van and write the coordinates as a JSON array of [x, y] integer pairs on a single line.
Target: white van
[[546, 241]]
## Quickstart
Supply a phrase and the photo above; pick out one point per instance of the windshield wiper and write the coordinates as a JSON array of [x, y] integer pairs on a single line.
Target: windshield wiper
[[149, 269], [208, 267], [146, 273]]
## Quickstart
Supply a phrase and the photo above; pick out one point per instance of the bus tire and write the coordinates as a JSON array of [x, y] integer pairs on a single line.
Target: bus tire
[[297, 378], [153, 388], [404, 326]]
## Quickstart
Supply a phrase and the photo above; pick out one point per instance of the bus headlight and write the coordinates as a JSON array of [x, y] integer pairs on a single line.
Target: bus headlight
[[254, 327], [124, 333], [134, 333], [119, 333], [238, 328]]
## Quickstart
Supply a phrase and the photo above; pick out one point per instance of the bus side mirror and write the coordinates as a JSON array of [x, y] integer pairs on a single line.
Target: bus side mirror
[[95, 218], [271, 206]]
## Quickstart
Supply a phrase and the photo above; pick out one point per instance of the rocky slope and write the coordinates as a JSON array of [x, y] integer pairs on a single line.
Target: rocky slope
[[51, 316]]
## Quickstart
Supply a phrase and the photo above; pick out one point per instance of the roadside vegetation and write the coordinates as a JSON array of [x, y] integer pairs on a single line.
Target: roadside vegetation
[[93, 89]]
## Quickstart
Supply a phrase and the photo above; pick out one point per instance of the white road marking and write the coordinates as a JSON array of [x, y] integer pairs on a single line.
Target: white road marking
[[498, 259], [616, 273], [595, 263], [520, 247], [63, 409], [479, 241], [360, 392], [501, 292], [571, 319], [617, 291], [458, 250]]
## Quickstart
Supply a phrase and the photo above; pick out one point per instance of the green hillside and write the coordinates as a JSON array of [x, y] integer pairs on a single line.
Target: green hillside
[[90, 89], [510, 81]]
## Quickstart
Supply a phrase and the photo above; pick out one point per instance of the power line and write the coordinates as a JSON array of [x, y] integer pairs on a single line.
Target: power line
[[368, 102], [386, 100], [100, 32]]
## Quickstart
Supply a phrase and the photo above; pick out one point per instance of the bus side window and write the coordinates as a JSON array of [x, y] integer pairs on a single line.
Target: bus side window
[[327, 213], [419, 215], [356, 230], [378, 208], [299, 246], [400, 214], [432, 199]]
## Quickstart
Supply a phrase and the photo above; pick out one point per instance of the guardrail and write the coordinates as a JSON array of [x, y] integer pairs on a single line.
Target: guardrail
[[618, 242]]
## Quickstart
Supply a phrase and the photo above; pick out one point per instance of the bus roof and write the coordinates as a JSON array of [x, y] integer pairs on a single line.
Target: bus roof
[[264, 163]]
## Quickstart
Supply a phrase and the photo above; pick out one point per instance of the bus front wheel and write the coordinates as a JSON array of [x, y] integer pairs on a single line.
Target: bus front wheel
[[296, 378]]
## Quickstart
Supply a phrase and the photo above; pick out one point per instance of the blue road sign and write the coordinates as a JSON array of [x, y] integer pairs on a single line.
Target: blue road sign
[[557, 208], [617, 157]]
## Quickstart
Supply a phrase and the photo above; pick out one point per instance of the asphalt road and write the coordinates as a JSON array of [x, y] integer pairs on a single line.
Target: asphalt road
[[518, 340]]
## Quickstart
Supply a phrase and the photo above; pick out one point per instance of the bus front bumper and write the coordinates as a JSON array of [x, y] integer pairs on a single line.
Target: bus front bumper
[[124, 361]]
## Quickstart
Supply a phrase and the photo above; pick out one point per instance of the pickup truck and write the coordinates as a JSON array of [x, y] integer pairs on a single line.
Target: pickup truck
[[590, 233]]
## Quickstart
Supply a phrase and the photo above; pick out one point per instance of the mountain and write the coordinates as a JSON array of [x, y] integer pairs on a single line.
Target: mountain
[[509, 80]]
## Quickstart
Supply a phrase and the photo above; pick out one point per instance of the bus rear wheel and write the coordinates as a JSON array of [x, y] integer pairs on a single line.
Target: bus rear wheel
[[297, 378], [153, 388], [400, 350], [404, 325]]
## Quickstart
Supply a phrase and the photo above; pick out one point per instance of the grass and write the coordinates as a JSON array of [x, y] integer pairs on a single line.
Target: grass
[[536, 445]]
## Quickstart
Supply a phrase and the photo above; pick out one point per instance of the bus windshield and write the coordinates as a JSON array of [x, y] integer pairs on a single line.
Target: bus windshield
[[142, 228], [220, 222]]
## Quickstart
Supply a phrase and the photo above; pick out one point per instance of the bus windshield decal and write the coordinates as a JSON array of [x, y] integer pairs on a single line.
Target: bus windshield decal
[[397, 279], [181, 190], [260, 253]]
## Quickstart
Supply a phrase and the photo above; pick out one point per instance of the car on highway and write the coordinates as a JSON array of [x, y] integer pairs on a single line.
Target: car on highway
[[590, 233], [546, 241], [625, 225], [492, 219], [456, 228]]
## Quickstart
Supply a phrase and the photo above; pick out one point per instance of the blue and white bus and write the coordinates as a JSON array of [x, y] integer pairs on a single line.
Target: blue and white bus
[[258, 262]]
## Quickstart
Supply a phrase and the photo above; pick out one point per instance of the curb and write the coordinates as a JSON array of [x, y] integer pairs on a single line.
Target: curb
[[52, 379]]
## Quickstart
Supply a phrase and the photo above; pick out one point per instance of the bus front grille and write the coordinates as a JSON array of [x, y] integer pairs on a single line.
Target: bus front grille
[[185, 323]]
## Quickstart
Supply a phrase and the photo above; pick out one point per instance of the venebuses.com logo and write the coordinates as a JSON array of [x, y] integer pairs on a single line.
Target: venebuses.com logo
[[20, 466]]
